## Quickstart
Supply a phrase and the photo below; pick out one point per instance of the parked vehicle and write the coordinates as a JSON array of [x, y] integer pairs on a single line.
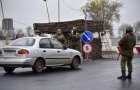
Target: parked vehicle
[[38, 53]]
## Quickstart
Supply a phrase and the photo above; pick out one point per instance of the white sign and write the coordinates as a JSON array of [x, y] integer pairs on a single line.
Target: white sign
[[87, 48]]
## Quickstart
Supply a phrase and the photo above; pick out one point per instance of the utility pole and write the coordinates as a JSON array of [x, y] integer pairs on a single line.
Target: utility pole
[[2, 8], [5, 32], [47, 10], [58, 10], [85, 13]]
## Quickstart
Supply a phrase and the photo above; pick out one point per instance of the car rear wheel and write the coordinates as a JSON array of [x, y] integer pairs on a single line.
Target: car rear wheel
[[9, 69], [38, 66], [75, 63]]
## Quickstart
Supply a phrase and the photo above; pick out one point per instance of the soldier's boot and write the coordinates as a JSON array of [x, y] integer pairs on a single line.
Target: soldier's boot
[[129, 76], [123, 77]]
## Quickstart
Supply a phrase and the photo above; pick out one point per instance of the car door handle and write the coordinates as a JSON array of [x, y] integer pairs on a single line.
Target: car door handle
[[58, 51], [44, 50]]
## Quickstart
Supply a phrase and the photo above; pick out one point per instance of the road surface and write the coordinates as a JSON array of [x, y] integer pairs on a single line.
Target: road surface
[[93, 75]]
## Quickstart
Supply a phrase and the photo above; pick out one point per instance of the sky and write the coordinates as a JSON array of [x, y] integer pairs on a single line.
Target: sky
[[27, 12], [30, 11]]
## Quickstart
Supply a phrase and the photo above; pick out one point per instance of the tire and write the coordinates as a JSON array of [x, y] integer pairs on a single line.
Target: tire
[[75, 63], [48, 69], [9, 69], [38, 67]]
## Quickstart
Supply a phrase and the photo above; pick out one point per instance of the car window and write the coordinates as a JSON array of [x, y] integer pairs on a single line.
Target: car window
[[23, 42], [44, 43], [56, 44]]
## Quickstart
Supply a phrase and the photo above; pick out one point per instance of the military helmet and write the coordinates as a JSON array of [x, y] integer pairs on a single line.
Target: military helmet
[[129, 29]]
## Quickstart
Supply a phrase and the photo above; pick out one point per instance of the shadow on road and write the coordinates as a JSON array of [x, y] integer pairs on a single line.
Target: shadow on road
[[49, 71]]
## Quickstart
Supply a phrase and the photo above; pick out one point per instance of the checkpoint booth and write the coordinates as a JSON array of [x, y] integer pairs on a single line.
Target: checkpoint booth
[[73, 30]]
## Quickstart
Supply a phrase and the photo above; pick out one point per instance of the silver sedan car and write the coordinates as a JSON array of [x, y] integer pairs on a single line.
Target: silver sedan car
[[38, 53]]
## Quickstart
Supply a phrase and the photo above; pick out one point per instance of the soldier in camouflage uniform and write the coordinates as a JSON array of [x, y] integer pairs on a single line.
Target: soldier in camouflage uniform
[[126, 45], [75, 40], [60, 36]]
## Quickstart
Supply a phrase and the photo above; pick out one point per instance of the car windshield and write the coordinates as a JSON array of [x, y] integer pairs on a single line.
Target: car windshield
[[23, 42]]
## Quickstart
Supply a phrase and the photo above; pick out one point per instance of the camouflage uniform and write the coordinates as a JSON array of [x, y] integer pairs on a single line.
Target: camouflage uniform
[[60, 37], [126, 44], [75, 41]]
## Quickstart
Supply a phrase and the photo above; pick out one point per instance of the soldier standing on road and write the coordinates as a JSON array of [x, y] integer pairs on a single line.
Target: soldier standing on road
[[126, 45], [60, 36]]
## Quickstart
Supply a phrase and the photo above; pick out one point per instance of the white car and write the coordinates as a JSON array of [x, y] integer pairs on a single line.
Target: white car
[[38, 53]]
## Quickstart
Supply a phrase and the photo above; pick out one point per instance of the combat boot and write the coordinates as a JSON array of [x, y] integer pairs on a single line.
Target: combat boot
[[123, 77], [129, 76]]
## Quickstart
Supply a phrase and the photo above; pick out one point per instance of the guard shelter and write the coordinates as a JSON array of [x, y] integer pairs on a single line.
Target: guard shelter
[[72, 31]]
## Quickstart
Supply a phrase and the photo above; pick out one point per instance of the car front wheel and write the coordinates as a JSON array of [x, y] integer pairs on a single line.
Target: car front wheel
[[9, 69], [75, 63]]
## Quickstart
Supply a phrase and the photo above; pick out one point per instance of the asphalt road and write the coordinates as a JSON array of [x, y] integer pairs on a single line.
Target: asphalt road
[[93, 75]]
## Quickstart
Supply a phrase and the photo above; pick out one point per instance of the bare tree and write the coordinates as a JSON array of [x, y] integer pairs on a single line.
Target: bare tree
[[29, 31], [137, 30], [103, 10], [137, 26], [122, 29], [20, 33]]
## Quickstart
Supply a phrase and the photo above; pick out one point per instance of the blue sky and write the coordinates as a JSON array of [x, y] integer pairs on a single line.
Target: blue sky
[[27, 12]]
